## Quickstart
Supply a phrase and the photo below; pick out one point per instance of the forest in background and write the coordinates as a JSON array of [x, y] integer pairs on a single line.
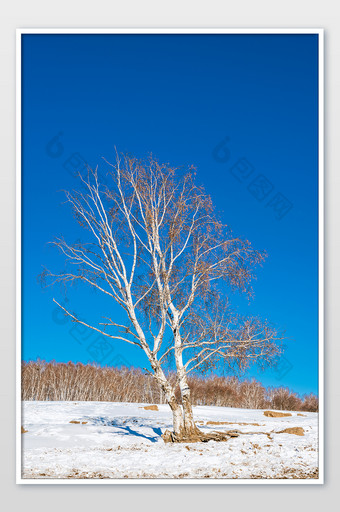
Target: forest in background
[[78, 382]]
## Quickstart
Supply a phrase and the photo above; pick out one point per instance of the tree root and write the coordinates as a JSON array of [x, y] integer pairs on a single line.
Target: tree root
[[198, 437]]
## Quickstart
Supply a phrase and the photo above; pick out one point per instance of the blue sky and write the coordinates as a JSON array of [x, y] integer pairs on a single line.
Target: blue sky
[[242, 108]]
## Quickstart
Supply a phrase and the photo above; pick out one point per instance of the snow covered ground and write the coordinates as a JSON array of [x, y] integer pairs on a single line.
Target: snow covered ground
[[122, 440]]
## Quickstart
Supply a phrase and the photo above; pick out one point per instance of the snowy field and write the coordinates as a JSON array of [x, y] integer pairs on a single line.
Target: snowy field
[[122, 440]]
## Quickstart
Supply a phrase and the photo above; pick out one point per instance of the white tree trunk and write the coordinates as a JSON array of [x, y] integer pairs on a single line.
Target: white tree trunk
[[177, 412], [189, 422]]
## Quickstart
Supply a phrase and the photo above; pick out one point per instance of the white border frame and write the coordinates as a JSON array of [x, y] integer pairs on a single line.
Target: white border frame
[[320, 33]]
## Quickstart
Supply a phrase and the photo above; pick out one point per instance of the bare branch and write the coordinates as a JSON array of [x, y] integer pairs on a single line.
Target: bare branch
[[75, 319]]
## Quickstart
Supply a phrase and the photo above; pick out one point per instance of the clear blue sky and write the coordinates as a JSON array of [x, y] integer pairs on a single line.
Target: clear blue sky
[[179, 97]]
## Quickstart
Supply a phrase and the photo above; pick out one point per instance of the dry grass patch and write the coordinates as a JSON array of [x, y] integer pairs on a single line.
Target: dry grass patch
[[231, 423], [275, 414], [150, 408], [300, 473], [298, 431], [289, 474]]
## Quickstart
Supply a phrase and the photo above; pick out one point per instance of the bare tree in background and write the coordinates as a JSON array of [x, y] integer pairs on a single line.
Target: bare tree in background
[[159, 250]]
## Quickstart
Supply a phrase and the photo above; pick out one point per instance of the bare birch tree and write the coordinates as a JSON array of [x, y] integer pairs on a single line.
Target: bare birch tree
[[159, 250]]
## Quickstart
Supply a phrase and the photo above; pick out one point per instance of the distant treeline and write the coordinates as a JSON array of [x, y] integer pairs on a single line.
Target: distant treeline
[[78, 382]]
